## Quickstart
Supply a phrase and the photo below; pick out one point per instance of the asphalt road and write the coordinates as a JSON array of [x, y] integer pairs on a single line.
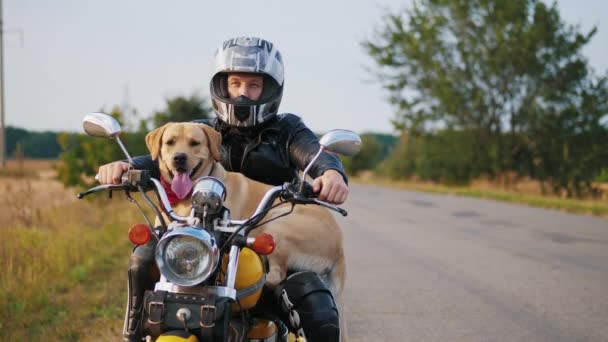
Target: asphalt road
[[424, 267]]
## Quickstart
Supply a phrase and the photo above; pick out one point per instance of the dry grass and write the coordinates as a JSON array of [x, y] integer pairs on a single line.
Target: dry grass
[[525, 192], [63, 260], [38, 164], [26, 197], [31, 168]]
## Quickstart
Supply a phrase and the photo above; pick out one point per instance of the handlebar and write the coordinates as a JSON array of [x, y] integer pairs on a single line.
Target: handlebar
[[297, 193], [130, 181]]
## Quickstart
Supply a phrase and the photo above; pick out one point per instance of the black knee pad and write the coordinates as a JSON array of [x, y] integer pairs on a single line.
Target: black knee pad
[[142, 276], [309, 307], [142, 256]]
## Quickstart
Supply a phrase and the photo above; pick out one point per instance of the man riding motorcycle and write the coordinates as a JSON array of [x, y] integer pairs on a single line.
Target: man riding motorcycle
[[246, 90]]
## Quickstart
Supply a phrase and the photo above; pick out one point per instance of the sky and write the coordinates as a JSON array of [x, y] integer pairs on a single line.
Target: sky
[[80, 56]]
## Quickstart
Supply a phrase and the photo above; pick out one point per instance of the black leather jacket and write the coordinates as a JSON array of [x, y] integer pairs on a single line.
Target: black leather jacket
[[270, 153]]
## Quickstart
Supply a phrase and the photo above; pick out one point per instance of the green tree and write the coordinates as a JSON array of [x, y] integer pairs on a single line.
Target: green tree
[[569, 145], [33, 144], [180, 109], [446, 156], [400, 162], [510, 73]]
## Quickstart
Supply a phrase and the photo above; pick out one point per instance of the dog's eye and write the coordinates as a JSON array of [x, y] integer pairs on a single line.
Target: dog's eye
[[170, 142], [194, 143]]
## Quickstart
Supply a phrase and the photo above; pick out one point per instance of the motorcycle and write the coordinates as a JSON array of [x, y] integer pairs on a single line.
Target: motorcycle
[[212, 273]]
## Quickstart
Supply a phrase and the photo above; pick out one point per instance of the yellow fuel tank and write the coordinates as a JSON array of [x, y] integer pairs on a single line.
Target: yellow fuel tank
[[249, 277], [177, 336]]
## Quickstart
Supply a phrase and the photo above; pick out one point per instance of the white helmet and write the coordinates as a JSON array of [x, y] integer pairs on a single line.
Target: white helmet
[[248, 55]]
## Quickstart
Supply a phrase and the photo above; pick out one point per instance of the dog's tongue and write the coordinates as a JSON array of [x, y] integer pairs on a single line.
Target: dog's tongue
[[181, 185]]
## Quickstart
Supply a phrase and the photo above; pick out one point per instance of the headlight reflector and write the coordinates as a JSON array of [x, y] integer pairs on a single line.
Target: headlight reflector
[[187, 256]]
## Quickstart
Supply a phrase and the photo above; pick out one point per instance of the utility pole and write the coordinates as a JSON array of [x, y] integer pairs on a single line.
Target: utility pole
[[2, 130]]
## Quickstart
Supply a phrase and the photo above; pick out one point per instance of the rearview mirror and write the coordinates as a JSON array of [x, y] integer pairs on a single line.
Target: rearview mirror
[[101, 125], [104, 126], [341, 141]]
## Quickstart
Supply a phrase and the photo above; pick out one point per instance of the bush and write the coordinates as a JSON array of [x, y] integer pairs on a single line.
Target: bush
[[602, 177], [446, 157], [368, 158]]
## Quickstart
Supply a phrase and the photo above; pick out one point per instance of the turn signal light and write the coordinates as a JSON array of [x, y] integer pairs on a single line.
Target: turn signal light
[[263, 244], [140, 234]]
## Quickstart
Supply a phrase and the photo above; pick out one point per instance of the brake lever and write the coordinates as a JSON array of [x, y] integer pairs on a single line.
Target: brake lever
[[335, 208], [98, 188]]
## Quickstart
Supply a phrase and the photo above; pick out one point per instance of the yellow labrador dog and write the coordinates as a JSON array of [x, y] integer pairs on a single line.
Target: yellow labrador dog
[[307, 239]]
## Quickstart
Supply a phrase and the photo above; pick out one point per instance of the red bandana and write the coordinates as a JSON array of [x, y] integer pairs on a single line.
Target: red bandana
[[170, 194]]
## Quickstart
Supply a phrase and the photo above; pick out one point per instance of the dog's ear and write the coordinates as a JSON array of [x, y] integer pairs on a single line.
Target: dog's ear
[[215, 141], [154, 140]]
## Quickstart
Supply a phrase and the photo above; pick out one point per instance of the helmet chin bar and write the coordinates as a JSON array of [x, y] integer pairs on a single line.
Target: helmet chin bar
[[243, 106], [242, 113]]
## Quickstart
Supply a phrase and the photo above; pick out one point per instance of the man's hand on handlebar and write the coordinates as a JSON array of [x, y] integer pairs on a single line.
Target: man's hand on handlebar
[[332, 187], [111, 173]]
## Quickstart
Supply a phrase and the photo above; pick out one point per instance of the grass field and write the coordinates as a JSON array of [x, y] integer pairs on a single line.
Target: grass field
[[63, 260]]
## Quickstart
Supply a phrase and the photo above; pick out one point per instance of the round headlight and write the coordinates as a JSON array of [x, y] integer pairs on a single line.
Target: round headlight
[[187, 256]]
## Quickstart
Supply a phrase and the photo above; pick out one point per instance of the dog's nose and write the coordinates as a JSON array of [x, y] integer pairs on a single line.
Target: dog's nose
[[180, 158]]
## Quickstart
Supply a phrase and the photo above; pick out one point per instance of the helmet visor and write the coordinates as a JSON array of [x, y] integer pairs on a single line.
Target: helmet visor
[[219, 88]]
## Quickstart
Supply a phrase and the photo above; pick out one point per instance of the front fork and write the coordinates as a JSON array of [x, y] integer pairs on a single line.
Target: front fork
[[231, 269]]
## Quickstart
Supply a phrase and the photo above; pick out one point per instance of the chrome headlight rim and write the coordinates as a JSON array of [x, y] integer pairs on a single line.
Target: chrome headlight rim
[[208, 192], [202, 236]]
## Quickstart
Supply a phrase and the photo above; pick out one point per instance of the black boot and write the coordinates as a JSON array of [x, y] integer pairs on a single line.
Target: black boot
[[133, 318], [143, 274], [309, 307]]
